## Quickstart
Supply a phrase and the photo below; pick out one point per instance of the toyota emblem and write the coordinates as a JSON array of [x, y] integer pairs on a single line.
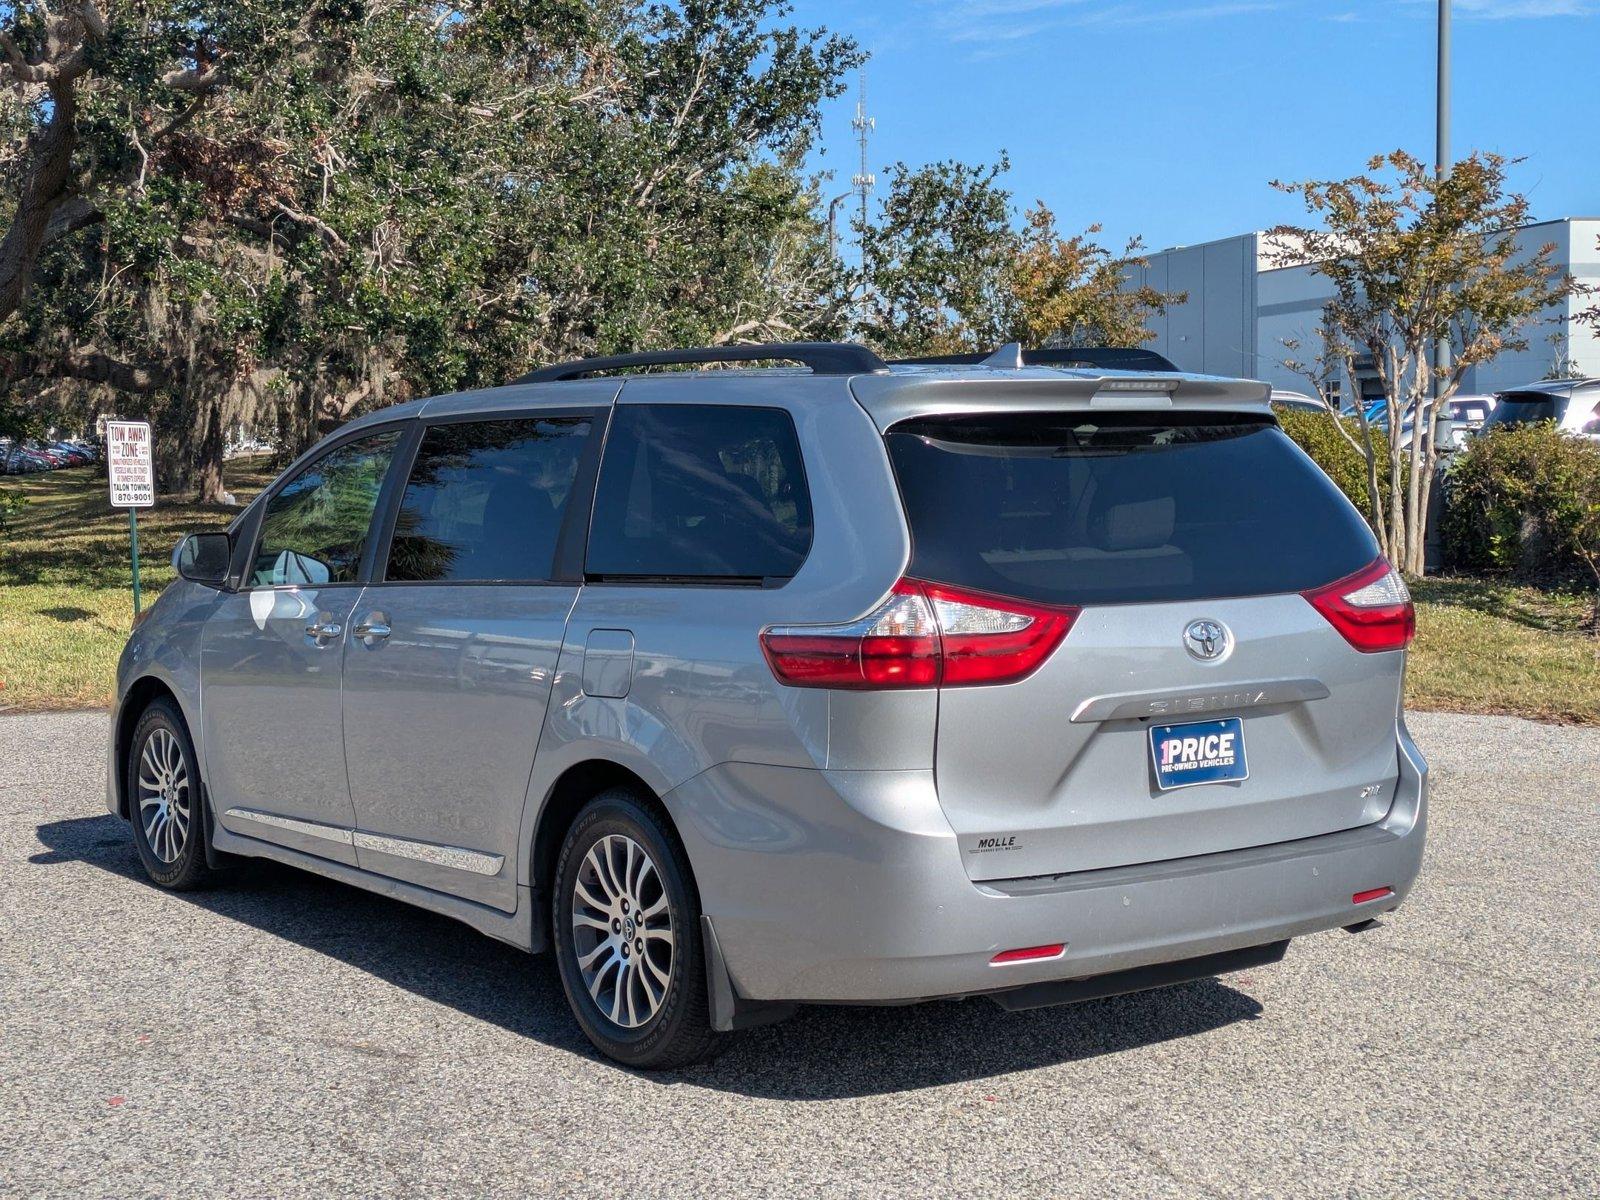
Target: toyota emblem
[[1206, 639]]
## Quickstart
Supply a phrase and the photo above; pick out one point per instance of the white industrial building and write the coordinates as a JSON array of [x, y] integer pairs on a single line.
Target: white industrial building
[[1241, 309]]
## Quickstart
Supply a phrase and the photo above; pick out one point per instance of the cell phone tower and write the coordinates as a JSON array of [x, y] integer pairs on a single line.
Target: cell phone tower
[[863, 181]]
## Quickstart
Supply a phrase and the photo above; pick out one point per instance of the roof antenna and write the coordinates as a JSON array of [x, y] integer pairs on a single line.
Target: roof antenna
[[1007, 358]]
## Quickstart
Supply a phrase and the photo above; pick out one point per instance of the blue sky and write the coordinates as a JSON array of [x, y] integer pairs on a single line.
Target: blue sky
[[1167, 118]]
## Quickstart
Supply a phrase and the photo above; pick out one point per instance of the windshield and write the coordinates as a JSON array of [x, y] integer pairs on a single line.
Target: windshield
[[1109, 508]]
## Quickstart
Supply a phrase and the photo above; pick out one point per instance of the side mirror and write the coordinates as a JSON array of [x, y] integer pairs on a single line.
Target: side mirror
[[203, 558]]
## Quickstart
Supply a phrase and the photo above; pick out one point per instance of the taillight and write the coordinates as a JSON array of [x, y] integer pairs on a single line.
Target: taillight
[[1371, 609], [923, 635]]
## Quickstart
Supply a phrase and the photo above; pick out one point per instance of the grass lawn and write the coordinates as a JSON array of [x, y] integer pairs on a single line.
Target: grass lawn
[[1491, 647], [66, 594], [66, 602]]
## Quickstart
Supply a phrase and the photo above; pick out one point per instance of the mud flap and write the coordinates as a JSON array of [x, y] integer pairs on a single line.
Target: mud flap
[[729, 1010], [217, 860]]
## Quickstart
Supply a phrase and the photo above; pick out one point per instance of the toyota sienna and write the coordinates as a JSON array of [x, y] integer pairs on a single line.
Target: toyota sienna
[[1034, 678]]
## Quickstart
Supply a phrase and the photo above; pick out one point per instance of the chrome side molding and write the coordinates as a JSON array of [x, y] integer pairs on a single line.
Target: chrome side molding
[[331, 833], [457, 858]]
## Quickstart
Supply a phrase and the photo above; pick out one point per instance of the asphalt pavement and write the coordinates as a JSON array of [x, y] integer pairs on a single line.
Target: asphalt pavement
[[283, 1035]]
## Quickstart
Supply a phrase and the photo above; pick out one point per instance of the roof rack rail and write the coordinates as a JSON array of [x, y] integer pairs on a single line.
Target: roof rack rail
[[824, 358], [1106, 358]]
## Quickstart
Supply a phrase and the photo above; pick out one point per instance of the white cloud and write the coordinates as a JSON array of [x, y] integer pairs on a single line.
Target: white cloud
[[1508, 10], [1005, 21], [1513, 9], [1013, 20]]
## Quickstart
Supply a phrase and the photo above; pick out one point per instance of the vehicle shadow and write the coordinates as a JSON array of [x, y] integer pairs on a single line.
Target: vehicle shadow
[[823, 1053]]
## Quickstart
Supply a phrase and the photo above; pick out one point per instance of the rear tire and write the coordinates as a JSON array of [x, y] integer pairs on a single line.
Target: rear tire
[[165, 799], [626, 931]]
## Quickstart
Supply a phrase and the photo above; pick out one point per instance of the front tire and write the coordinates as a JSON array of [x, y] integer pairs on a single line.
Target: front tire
[[165, 799], [626, 931]]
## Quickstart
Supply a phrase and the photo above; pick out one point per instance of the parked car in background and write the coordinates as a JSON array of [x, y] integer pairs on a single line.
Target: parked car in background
[[1573, 404], [745, 689], [28, 457], [1469, 413], [1297, 400], [70, 454], [25, 460], [244, 445]]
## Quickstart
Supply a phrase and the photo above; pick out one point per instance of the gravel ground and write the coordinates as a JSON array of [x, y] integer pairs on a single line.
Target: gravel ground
[[288, 1036]]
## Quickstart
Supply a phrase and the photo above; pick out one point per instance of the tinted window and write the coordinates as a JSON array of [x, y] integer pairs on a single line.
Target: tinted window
[[1527, 409], [1100, 508], [315, 528], [485, 500], [700, 492]]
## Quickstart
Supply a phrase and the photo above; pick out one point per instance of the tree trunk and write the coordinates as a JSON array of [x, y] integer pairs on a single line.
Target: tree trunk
[[1420, 401], [208, 453], [45, 184]]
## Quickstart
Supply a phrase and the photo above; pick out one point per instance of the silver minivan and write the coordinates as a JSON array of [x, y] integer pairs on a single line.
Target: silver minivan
[[849, 683]]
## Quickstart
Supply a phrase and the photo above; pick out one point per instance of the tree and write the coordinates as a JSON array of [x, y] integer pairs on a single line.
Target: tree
[[49, 59], [1323, 372], [947, 271], [45, 55], [401, 197], [1414, 258], [935, 263], [1075, 292], [16, 424]]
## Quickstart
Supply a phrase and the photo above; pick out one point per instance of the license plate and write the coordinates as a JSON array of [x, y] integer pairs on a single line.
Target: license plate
[[1198, 752]]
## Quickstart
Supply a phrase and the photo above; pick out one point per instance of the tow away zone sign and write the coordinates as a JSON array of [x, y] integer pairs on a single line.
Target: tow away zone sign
[[128, 465]]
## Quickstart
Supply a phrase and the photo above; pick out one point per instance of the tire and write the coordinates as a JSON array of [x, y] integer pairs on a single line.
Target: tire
[[165, 799], [632, 1009]]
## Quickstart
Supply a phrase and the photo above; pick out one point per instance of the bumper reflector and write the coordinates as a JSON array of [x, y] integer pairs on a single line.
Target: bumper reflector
[[1028, 954], [1371, 894]]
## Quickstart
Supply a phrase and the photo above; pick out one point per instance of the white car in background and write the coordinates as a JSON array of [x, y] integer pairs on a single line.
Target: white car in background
[[1283, 398], [1470, 413], [1573, 404]]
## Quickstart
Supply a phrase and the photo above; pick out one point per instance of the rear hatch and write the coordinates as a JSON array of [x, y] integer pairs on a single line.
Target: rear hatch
[[1180, 544], [1526, 408]]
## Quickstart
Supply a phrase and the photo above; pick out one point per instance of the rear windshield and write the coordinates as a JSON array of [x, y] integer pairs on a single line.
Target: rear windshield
[[1115, 508], [1528, 409]]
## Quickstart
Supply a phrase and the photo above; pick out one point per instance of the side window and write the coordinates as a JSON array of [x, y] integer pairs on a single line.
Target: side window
[[485, 501], [315, 528], [700, 492]]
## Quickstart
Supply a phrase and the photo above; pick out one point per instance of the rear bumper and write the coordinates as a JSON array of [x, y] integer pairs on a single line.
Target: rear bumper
[[848, 887]]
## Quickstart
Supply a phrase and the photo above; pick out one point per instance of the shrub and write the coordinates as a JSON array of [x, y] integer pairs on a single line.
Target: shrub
[[1315, 434], [10, 504], [1526, 502]]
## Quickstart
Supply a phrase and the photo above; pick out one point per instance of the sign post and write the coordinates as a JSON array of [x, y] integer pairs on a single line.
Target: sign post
[[132, 479]]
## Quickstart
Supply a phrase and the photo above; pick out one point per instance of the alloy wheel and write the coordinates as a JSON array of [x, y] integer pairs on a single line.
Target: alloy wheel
[[622, 930], [163, 786]]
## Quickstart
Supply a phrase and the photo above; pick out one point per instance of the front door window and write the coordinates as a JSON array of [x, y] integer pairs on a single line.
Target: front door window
[[314, 530]]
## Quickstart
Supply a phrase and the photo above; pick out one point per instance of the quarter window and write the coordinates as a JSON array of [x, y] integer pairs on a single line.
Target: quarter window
[[486, 500], [700, 492], [315, 528]]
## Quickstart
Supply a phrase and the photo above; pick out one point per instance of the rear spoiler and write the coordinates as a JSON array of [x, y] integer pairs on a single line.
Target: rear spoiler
[[1105, 358], [890, 399]]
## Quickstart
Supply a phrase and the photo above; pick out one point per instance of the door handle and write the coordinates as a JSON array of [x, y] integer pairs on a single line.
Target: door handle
[[373, 629], [322, 627]]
